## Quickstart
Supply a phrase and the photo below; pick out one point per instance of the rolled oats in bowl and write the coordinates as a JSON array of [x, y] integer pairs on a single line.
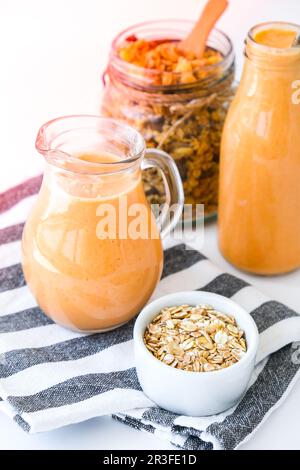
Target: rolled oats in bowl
[[195, 338]]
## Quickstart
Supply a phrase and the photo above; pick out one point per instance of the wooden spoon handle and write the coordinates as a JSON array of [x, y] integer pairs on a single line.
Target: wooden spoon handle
[[196, 40]]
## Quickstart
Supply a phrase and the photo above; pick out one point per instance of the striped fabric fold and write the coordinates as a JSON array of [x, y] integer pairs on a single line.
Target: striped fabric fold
[[51, 377]]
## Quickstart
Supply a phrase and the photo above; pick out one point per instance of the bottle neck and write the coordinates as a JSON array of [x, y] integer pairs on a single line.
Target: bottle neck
[[269, 77], [266, 60], [270, 47]]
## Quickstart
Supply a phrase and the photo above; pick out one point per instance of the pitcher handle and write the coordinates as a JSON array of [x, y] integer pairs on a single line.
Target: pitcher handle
[[172, 210]]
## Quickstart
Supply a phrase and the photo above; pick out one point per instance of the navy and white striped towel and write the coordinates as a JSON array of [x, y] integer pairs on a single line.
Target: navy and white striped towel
[[51, 377]]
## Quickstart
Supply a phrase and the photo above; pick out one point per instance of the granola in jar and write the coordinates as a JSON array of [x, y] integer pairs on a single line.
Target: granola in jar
[[176, 100]]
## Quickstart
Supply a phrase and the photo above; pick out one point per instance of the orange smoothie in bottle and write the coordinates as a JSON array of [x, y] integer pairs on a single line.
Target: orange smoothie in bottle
[[259, 201]]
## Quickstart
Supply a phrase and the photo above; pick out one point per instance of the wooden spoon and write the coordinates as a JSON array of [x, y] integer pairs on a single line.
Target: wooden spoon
[[196, 40]]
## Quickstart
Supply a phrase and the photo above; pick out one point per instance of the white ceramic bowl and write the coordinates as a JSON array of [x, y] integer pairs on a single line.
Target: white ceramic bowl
[[194, 393]]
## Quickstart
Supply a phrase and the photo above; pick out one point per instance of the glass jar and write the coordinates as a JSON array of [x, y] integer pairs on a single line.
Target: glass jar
[[184, 119], [91, 248], [259, 224]]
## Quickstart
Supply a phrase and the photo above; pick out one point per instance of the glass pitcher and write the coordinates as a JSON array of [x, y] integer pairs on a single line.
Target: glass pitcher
[[259, 200], [92, 252]]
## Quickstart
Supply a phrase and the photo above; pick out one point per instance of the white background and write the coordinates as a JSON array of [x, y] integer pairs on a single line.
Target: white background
[[53, 53]]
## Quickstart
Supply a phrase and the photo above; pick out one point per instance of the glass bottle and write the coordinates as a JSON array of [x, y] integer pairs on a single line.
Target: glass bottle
[[259, 203]]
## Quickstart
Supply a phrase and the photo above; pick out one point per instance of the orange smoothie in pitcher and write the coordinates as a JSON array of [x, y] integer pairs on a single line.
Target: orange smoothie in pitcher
[[259, 212], [81, 277]]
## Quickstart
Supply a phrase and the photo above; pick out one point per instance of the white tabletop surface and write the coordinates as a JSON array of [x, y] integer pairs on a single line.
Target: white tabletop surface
[[52, 55]]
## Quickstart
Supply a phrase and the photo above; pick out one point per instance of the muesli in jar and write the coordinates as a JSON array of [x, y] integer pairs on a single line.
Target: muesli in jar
[[176, 100]]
